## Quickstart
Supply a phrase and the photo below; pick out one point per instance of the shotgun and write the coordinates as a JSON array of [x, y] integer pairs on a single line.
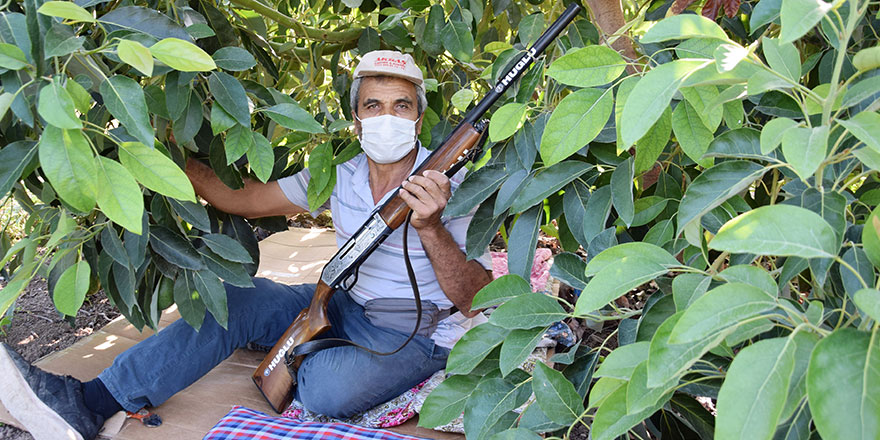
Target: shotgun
[[275, 377]]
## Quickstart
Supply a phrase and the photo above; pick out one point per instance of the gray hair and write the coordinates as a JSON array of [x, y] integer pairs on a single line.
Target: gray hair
[[356, 89]]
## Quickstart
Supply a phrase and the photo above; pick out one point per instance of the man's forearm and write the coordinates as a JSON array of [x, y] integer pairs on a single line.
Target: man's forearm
[[459, 278], [256, 199]]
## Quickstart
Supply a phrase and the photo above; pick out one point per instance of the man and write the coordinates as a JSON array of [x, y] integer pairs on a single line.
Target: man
[[388, 101]]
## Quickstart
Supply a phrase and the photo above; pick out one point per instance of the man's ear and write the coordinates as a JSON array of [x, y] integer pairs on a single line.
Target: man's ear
[[357, 124], [419, 123]]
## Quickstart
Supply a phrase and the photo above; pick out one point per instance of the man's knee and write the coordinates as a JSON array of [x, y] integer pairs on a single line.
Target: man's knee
[[332, 393]]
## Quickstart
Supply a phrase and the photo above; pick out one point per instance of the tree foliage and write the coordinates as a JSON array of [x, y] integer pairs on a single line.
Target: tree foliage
[[730, 160]]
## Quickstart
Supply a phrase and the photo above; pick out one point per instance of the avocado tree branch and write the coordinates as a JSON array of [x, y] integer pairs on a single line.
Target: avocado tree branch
[[301, 30], [609, 16]]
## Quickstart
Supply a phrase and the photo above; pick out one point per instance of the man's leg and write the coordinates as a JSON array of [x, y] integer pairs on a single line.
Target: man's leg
[[52, 406], [172, 359], [343, 381]]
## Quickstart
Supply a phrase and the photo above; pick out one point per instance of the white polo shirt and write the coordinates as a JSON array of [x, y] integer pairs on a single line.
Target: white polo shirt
[[383, 274]]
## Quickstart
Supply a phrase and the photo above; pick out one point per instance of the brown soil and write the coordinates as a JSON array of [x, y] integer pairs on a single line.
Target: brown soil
[[37, 329]]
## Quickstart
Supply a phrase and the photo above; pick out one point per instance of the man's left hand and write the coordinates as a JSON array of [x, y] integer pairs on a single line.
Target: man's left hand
[[426, 195]]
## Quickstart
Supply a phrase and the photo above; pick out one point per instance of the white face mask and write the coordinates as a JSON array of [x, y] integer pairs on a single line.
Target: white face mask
[[387, 138]]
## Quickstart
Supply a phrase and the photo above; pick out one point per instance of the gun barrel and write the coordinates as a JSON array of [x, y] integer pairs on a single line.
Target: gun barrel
[[523, 63]]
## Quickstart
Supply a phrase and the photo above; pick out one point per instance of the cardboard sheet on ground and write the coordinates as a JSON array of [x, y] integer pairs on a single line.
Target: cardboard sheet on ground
[[295, 256]]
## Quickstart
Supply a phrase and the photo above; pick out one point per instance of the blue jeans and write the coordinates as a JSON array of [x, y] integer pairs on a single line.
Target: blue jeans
[[337, 382]]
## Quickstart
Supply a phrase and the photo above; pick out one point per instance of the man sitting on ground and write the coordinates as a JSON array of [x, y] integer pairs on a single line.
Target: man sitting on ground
[[388, 101]]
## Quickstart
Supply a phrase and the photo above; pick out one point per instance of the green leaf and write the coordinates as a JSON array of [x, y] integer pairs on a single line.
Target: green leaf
[[14, 158], [547, 181], [125, 100], [231, 272], [188, 301], [431, 41], [868, 300], [478, 186], [682, 26], [805, 148], [500, 290], [522, 241], [56, 107], [239, 140], [6, 100], [70, 290], [703, 99], [292, 117], [322, 170], [489, 409], [693, 136], [622, 361], [527, 311], [614, 280], [865, 126], [462, 99], [136, 55], [81, 98], [612, 418], [156, 171], [227, 247], [651, 95], [233, 59], [778, 230], [652, 144], [192, 212], [569, 268], [622, 190], [67, 10], [506, 120], [119, 195], [516, 434], [783, 58], [754, 391], [509, 191], [174, 248], [597, 212], [517, 347], [640, 397], [843, 375], [773, 131], [667, 361], [482, 229], [752, 275], [556, 395], [473, 347], [587, 67], [576, 121], [220, 120], [11, 57], [714, 186], [213, 295], [720, 308], [858, 260], [230, 94], [861, 91], [645, 251], [867, 59], [447, 401], [457, 40], [182, 55], [68, 163], [871, 237], [261, 158], [799, 16]]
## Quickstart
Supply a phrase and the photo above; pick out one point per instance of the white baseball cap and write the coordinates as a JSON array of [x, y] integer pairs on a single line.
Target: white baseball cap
[[389, 63]]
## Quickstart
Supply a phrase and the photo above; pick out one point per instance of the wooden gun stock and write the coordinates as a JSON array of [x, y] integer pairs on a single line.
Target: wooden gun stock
[[272, 376]]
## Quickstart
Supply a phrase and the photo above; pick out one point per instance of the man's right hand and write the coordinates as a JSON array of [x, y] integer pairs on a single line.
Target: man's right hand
[[255, 200]]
